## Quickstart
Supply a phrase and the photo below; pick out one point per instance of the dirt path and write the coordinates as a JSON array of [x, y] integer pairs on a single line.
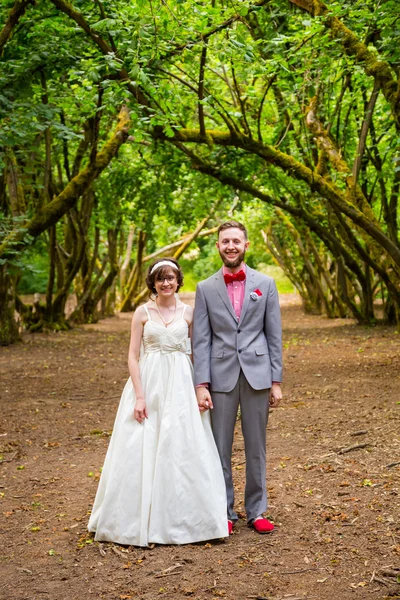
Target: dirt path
[[337, 512]]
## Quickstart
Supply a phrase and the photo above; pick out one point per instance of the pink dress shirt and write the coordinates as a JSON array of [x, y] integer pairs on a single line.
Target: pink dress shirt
[[236, 291]]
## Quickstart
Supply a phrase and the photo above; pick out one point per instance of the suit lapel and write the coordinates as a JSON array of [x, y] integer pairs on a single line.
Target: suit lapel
[[249, 287], [222, 291]]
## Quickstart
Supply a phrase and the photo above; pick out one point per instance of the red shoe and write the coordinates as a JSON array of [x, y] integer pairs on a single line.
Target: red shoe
[[230, 527], [262, 526]]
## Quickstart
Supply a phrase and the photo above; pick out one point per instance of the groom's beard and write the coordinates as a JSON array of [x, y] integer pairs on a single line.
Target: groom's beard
[[232, 263]]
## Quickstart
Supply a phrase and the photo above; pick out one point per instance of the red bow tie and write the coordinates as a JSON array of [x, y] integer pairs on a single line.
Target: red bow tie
[[231, 277]]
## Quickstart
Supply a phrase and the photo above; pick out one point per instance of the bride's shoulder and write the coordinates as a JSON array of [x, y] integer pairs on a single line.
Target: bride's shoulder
[[149, 306], [188, 310], [141, 313]]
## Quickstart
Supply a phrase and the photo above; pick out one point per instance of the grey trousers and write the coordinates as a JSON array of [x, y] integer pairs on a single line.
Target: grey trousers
[[254, 408]]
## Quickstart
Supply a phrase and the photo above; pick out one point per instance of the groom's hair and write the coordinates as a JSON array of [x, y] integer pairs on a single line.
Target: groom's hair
[[230, 224]]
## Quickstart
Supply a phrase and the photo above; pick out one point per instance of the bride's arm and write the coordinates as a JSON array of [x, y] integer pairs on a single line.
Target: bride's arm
[[138, 320], [189, 318], [189, 321]]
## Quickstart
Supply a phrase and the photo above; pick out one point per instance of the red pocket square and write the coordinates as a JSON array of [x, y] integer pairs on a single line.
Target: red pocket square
[[258, 292]]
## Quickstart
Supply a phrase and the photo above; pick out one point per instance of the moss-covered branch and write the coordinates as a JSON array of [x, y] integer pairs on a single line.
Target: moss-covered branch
[[329, 150], [52, 212], [15, 189], [312, 220], [353, 47], [297, 170], [16, 13]]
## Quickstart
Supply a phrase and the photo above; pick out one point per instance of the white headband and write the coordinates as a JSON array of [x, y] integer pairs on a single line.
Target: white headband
[[164, 263]]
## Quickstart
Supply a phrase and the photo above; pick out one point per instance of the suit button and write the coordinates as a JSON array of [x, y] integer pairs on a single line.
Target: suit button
[[238, 330], [239, 351]]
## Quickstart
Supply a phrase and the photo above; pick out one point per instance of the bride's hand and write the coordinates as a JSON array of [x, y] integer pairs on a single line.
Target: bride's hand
[[140, 410]]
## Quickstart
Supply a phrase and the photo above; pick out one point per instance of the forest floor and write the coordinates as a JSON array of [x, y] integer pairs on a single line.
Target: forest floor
[[333, 474]]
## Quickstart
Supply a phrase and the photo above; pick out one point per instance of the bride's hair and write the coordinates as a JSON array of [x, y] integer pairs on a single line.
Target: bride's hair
[[155, 273]]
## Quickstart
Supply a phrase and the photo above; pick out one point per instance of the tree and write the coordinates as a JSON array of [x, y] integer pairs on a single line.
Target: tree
[[293, 102]]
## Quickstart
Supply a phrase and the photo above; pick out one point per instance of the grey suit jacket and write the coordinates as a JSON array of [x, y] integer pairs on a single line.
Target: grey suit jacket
[[222, 345]]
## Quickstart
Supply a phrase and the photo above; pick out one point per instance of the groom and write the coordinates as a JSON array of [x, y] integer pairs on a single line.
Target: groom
[[238, 361]]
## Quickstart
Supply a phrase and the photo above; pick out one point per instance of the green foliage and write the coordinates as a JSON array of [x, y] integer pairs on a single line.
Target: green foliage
[[61, 89], [33, 273]]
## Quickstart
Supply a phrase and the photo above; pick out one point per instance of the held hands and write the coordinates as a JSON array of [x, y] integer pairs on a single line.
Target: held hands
[[275, 395], [140, 410], [203, 399]]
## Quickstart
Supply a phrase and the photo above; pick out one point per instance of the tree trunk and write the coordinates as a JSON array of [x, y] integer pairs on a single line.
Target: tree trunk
[[8, 325], [137, 276], [124, 268], [99, 290]]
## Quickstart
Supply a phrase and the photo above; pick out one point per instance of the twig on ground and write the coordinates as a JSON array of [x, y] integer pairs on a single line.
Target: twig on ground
[[372, 577], [393, 464], [118, 552], [79, 398], [390, 572], [170, 571], [168, 574], [355, 447], [173, 568], [290, 597], [24, 570], [382, 581], [3, 460], [295, 572], [361, 432]]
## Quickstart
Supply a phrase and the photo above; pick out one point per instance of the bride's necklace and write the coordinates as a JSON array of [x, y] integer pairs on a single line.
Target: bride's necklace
[[166, 323]]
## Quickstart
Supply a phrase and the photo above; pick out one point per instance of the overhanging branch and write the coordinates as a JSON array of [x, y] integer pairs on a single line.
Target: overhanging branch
[[378, 69], [52, 212], [16, 13], [297, 170]]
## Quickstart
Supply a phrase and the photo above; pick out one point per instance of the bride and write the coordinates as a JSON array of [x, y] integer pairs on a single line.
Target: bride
[[162, 479]]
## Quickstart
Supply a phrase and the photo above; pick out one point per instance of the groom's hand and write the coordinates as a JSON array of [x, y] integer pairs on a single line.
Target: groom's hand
[[275, 395], [203, 398]]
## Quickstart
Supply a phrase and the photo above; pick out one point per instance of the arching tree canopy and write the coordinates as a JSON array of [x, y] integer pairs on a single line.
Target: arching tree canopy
[[157, 114]]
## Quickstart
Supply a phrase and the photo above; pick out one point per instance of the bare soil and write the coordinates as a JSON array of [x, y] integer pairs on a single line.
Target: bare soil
[[333, 474]]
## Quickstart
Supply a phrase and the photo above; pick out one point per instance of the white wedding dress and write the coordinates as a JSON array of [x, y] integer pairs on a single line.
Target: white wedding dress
[[162, 480]]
